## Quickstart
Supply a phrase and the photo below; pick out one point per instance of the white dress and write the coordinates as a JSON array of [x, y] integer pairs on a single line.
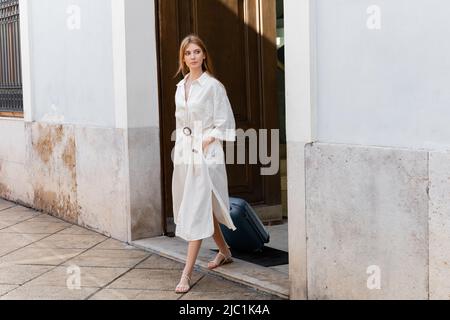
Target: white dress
[[199, 182]]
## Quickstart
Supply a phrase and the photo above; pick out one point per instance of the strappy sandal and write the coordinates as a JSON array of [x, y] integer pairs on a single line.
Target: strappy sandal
[[215, 263], [183, 288]]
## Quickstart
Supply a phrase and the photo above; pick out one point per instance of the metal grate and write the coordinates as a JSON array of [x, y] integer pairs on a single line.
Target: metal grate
[[10, 64]]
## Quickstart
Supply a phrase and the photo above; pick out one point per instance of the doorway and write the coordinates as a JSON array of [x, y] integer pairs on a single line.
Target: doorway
[[249, 36], [241, 34]]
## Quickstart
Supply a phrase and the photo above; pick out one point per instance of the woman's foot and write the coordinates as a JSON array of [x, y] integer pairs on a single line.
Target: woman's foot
[[220, 260], [184, 285]]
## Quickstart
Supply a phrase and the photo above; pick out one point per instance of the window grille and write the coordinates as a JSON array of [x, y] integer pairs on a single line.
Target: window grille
[[10, 65]]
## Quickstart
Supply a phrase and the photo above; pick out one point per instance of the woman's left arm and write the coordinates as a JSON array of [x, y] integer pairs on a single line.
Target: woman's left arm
[[224, 123]]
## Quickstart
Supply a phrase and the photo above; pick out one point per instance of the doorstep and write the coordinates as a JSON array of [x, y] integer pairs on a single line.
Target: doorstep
[[261, 278]]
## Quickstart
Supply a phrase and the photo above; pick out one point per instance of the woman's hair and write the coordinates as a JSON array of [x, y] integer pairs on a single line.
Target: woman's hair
[[207, 64]]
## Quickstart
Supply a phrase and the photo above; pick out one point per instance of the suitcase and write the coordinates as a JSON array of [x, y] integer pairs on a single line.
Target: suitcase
[[250, 234]]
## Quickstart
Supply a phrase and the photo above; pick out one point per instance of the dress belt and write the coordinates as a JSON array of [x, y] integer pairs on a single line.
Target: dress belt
[[187, 131]]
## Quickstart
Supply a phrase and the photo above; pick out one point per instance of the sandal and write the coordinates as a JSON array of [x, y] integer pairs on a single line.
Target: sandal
[[217, 263], [183, 288]]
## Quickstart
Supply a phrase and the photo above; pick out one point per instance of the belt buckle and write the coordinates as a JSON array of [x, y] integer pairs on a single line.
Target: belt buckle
[[187, 131]]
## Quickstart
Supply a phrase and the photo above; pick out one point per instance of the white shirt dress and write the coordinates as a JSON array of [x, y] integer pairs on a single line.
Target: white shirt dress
[[199, 182]]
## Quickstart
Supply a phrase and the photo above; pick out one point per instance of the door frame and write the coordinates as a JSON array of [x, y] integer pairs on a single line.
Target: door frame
[[301, 99]]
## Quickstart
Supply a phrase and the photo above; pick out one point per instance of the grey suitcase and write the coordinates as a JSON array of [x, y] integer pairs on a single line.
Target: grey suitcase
[[250, 234]]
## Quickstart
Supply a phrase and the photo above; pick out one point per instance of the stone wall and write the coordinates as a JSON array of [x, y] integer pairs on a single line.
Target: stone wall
[[374, 211], [99, 178]]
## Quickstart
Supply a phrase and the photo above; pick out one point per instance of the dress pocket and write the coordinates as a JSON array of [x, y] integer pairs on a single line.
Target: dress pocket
[[214, 154]]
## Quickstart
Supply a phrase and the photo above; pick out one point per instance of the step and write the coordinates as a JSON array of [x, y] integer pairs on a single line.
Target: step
[[264, 279]]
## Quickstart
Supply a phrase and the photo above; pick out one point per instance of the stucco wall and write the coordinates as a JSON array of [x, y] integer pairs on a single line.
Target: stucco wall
[[72, 62], [386, 86]]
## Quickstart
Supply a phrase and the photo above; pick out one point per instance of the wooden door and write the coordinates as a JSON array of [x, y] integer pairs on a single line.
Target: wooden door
[[241, 38]]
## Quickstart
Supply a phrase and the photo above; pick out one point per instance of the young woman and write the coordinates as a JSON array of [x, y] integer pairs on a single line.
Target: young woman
[[204, 119]]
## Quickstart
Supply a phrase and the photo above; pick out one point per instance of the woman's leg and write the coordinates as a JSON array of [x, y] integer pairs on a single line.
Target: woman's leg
[[193, 249], [224, 251], [218, 238]]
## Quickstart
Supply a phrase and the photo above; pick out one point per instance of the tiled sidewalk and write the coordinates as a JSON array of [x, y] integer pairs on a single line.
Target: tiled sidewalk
[[41, 258]]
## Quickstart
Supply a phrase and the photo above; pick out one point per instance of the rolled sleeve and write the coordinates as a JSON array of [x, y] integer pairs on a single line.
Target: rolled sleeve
[[224, 123]]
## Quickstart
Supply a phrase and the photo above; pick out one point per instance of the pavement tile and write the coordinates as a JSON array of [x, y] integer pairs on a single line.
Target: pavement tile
[[4, 250], [69, 241], [89, 277], [19, 239], [17, 214], [214, 284], [74, 229], [6, 224], [48, 218], [19, 274], [10, 242], [112, 244], [131, 294], [6, 204], [146, 279], [109, 258], [5, 288], [226, 296], [158, 262], [28, 292], [39, 256], [35, 227]]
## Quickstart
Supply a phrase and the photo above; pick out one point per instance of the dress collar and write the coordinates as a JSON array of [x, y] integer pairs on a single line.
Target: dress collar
[[201, 80]]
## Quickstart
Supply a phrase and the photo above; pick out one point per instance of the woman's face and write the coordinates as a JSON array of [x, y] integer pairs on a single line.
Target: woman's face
[[194, 56]]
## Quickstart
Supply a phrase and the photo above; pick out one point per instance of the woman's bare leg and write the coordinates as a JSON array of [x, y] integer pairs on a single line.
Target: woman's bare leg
[[218, 238], [221, 244], [193, 249]]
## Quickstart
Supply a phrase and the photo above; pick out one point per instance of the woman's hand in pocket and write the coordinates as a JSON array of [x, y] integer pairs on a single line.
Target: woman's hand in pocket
[[206, 143]]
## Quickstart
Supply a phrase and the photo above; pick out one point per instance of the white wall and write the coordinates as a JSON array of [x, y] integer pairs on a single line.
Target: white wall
[[387, 87], [141, 50], [72, 69], [299, 73]]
